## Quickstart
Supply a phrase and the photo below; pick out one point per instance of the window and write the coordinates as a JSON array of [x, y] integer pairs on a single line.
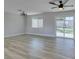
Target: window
[[37, 22]]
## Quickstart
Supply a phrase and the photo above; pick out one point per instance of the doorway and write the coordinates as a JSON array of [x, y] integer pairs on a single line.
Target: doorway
[[65, 27]]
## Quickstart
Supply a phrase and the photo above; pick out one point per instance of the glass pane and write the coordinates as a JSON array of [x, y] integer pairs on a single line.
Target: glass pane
[[40, 23], [59, 29], [69, 18], [69, 29], [34, 23]]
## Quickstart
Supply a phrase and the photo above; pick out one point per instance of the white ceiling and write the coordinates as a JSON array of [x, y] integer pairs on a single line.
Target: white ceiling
[[34, 6]]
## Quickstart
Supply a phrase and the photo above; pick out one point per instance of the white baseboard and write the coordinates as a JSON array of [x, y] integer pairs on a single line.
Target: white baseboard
[[13, 35], [46, 35]]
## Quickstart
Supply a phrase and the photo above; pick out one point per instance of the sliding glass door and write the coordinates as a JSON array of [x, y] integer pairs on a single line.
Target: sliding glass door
[[59, 28], [64, 27]]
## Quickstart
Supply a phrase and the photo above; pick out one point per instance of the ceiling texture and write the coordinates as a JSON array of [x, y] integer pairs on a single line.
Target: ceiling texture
[[34, 6]]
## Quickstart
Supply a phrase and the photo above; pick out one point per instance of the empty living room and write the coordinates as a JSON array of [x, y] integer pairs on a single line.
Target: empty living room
[[39, 29]]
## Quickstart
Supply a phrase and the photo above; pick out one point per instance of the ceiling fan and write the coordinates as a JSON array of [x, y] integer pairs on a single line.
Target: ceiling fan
[[21, 12], [61, 4]]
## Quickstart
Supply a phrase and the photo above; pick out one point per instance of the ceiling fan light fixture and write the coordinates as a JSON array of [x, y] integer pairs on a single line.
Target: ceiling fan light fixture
[[61, 8], [61, 5]]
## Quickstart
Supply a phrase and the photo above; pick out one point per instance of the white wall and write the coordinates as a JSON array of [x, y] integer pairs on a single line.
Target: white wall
[[49, 28], [16, 24], [13, 24]]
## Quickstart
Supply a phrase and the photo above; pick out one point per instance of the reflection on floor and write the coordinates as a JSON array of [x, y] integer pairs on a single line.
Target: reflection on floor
[[37, 47]]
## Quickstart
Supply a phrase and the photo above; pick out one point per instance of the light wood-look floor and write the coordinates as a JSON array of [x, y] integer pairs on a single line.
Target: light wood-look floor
[[37, 47]]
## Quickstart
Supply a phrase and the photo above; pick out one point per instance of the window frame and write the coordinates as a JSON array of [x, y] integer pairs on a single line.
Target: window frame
[[38, 20]]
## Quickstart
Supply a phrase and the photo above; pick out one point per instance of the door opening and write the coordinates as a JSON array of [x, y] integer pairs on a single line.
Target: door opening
[[65, 27]]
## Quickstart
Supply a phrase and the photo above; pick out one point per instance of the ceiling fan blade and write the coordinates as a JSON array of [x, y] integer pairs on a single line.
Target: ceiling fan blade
[[65, 1], [53, 3], [21, 12], [68, 6], [53, 7]]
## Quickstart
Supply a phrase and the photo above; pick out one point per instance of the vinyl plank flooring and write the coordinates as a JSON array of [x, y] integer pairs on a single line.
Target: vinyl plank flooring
[[38, 47]]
